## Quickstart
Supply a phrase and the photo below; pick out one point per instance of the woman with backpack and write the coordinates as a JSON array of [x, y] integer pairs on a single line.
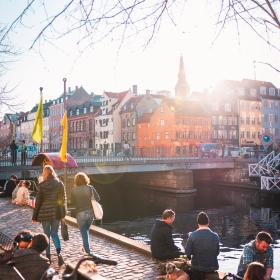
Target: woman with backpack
[[50, 208]]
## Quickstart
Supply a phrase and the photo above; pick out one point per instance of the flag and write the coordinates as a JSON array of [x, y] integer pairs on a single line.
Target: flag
[[63, 149], [37, 133]]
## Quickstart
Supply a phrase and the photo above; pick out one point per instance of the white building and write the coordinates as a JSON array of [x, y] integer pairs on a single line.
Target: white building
[[108, 122]]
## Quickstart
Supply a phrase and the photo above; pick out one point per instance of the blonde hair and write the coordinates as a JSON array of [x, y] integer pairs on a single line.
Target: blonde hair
[[50, 171], [81, 179]]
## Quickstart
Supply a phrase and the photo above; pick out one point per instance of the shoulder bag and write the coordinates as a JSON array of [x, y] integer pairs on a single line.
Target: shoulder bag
[[97, 208]]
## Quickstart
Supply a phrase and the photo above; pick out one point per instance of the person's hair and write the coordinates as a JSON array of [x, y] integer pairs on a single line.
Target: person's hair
[[168, 213], [51, 172], [81, 178], [27, 183], [40, 242], [24, 235], [202, 219], [264, 236], [13, 177], [255, 271]]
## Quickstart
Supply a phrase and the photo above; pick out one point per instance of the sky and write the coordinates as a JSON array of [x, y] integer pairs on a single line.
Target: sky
[[109, 66]]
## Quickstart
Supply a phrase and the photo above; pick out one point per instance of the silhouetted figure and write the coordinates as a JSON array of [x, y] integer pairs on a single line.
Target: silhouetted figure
[[13, 148], [9, 187], [23, 153]]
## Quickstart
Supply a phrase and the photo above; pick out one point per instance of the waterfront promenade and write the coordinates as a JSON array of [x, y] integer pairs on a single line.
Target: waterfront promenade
[[133, 262]]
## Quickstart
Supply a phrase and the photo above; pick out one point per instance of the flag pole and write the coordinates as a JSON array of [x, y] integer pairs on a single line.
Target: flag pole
[[41, 145], [65, 111]]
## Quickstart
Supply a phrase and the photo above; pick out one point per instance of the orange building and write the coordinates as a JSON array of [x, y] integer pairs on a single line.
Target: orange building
[[173, 129]]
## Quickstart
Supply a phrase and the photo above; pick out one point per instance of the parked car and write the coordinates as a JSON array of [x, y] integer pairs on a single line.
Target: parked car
[[208, 150], [247, 152]]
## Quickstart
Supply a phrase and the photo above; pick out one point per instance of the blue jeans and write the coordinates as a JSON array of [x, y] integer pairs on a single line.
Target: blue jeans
[[51, 230], [84, 220]]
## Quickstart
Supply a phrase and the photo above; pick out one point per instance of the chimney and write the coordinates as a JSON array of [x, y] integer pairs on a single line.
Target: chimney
[[148, 91], [135, 90]]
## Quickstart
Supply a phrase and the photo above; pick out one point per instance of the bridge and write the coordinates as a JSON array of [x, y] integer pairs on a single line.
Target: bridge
[[144, 182], [114, 165]]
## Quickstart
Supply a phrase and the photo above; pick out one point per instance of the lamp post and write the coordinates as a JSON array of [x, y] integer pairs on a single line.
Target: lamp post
[[65, 111], [41, 146]]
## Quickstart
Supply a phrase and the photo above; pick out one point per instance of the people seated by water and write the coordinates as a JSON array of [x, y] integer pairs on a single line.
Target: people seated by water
[[22, 194], [81, 197], [258, 250], [202, 249], [255, 271], [9, 186], [23, 239], [162, 243], [28, 262], [14, 193]]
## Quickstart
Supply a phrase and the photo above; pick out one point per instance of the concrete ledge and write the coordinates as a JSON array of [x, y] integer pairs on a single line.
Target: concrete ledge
[[117, 238]]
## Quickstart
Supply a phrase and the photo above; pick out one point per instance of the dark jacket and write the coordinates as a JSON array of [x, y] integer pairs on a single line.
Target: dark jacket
[[81, 197], [50, 201], [162, 244], [9, 187], [203, 248], [28, 262]]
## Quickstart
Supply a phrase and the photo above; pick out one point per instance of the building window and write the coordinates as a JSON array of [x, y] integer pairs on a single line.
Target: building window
[[161, 122], [262, 90], [158, 136], [133, 136], [272, 91], [166, 135], [247, 120], [128, 122], [248, 134], [133, 122], [77, 112], [270, 118], [85, 110]]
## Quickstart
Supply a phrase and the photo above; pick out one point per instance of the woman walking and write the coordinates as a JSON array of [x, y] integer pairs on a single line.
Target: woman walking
[[81, 197], [50, 208]]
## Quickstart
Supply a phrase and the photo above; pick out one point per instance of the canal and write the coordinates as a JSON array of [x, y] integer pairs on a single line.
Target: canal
[[235, 228]]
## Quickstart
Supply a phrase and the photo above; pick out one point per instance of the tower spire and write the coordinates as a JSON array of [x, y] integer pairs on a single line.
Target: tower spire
[[182, 88]]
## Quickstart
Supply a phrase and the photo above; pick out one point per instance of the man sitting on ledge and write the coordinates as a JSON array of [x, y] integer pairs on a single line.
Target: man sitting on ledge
[[258, 250], [203, 249], [162, 244]]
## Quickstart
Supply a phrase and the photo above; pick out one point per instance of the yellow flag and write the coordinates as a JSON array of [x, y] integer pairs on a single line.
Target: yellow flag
[[63, 149], [37, 133]]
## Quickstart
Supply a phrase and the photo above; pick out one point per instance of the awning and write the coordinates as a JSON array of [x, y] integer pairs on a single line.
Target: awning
[[54, 160]]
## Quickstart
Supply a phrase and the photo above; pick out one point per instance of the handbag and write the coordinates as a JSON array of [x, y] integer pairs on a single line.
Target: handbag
[[64, 231], [97, 209]]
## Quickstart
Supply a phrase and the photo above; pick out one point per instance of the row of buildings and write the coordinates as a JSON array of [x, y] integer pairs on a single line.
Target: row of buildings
[[236, 113]]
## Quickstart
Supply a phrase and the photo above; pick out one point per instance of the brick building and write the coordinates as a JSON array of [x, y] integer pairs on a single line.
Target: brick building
[[81, 132], [73, 97], [174, 128]]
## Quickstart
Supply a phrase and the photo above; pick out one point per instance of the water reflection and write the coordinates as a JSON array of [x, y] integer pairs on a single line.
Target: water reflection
[[235, 229]]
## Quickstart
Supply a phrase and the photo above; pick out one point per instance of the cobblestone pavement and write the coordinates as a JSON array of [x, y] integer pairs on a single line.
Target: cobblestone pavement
[[131, 264]]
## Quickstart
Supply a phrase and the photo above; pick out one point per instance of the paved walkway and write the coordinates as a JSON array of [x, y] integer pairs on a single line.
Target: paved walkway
[[131, 264]]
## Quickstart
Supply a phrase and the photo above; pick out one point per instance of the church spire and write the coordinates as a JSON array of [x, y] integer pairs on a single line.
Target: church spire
[[182, 89]]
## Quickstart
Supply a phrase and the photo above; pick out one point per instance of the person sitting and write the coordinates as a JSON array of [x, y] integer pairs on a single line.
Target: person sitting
[[162, 244], [22, 195], [28, 262], [14, 193], [203, 249], [255, 271], [258, 250], [23, 239], [9, 187]]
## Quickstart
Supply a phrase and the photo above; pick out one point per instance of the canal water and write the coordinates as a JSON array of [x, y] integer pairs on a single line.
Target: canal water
[[235, 228]]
